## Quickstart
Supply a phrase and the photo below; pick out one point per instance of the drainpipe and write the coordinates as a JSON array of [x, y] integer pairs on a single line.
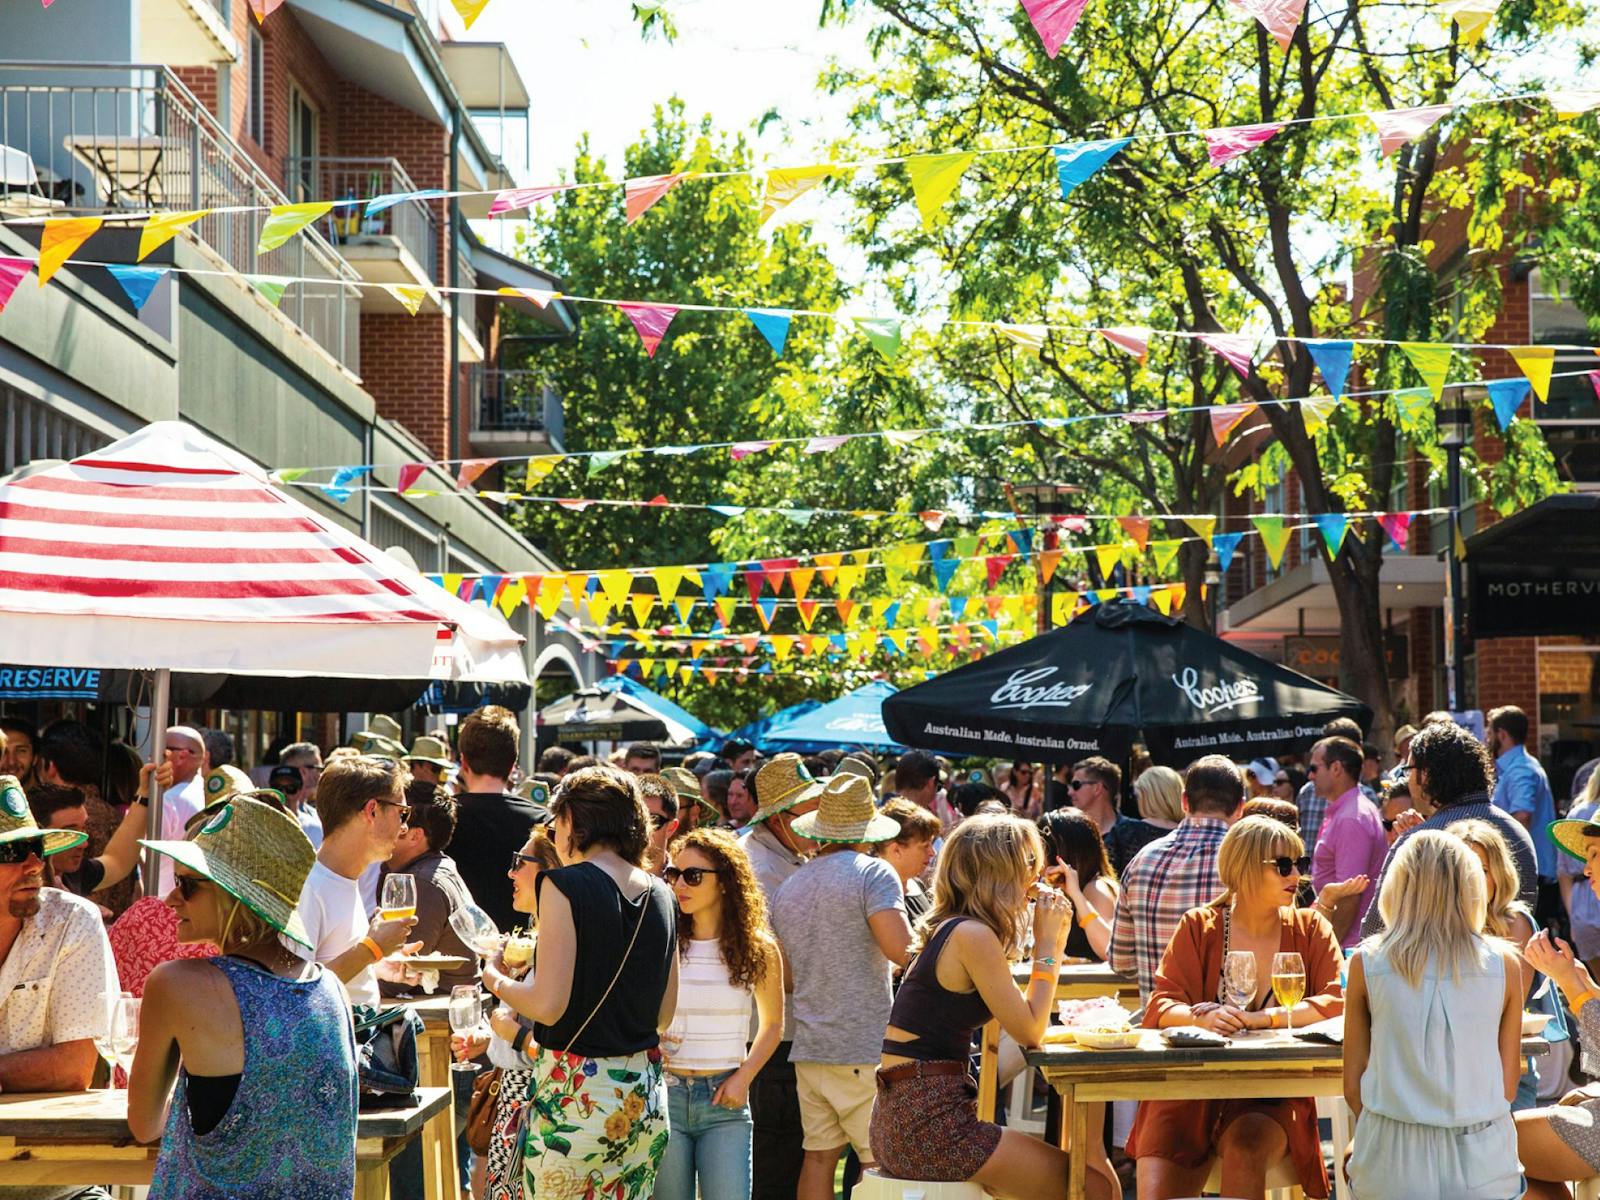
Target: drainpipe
[[453, 227]]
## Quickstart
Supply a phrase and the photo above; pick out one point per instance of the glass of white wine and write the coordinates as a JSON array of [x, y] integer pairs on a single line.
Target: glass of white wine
[[476, 929], [1288, 983], [125, 1030], [1239, 978], [399, 899], [466, 1015]]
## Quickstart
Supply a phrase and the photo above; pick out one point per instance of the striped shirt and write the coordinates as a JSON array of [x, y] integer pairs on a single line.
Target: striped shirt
[[713, 1016], [1165, 880]]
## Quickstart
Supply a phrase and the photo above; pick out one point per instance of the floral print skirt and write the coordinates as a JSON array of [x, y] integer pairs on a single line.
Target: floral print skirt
[[594, 1128]]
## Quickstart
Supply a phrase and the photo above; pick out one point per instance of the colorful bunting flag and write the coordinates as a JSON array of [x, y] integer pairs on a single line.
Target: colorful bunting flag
[[1053, 20], [823, 445], [650, 321], [1137, 528], [1432, 363], [513, 199], [1274, 536], [469, 10], [388, 200], [271, 287], [161, 228], [539, 469], [1471, 17], [285, 220], [995, 566], [472, 468], [1225, 418], [1314, 413], [1049, 560], [407, 296], [1077, 163], [883, 333], [933, 178], [1536, 362], [787, 184], [1225, 544], [1164, 552], [409, 474], [772, 324], [685, 606], [1132, 338], [1573, 102], [61, 237], [1400, 125], [1333, 527], [264, 8], [1227, 144], [616, 583], [540, 298], [640, 194], [1413, 409], [1506, 396], [1029, 337], [138, 283], [740, 451], [1236, 348], [1280, 18], [600, 460], [339, 486], [1106, 557], [1397, 526], [1333, 360]]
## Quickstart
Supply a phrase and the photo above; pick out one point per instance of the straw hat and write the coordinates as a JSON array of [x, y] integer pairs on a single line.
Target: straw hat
[[256, 854], [430, 750], [687, 786], [781, 783], [1570, 835], [17, 823], [225, 781], [385, 726], [847, 814], [377, 744]]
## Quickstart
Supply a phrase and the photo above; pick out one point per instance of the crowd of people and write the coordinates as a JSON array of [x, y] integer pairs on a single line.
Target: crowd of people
[[740, 976]]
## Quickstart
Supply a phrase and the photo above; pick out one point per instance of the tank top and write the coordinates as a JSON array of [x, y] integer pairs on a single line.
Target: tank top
[[1435, 1056], [290, 1132], [941, 1020], [713, 1016], [603, 920]]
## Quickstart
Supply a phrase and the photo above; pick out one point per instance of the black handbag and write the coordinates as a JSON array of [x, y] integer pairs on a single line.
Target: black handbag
[[386, 1057]]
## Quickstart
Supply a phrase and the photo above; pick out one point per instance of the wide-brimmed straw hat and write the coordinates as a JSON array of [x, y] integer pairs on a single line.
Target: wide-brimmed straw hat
[[256, 854], [17, 823], [378, 745], [1569, 835], [430, 750], [225, 781], [687, 786], [781, 783], [846, 814]]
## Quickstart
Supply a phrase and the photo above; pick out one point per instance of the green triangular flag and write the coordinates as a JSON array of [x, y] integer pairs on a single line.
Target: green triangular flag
[[286, 220], [1414, 408], [1432, 363], [933, 178], [1274, 537], [270, 286], [1163, 552], [883, 333], [602, 459], [288, 474]]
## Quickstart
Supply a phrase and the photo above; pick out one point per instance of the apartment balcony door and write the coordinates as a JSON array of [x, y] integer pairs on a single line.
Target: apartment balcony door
[[304, 146]]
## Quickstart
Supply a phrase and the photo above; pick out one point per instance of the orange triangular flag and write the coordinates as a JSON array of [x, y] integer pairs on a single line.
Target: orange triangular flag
[[1138, 528], [61, 237], [640, 194]]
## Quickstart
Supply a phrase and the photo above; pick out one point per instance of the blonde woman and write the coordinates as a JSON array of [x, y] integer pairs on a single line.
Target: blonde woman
[[1175, 1142], [925, 1119], [1160, 794], [1432, 1036]]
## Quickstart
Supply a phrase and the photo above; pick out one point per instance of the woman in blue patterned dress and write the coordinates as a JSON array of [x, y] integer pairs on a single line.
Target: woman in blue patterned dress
[[258, 1042]]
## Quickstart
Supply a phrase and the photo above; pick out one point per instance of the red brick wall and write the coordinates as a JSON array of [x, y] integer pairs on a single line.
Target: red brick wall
[[405, 364], [1507, 672]]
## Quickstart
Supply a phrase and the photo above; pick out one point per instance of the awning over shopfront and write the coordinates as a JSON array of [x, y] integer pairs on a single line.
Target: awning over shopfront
[[1538, 572]]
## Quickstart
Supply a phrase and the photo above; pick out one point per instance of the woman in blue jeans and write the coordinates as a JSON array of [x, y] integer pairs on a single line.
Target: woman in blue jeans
[[728, 960]]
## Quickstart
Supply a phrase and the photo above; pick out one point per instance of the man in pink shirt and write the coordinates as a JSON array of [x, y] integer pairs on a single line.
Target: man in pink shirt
[[1352, 842]]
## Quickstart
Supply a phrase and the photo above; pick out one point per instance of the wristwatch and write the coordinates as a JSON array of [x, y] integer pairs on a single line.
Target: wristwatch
[[521, 1040]]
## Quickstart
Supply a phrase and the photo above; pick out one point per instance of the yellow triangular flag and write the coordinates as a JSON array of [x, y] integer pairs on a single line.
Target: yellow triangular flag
[[788, 184], [548, 601], [668, 580], [61, 237], [643, 605], [1471, 16], [1275, 537], [286, 220], [1432, 363], [616, 583], [1012, 607], [470, 10], [1203, 527], [685, 606], [540, 468], [782, 643], [577, 588], [846, 578], [933, 178], [1029, 337], [800, 580], [1162, 599], [726, 606], [1536, 362], [599, 608], [407, 296], [1061, 606], [828, 564], [452, 584], [1314, 413], [163, 227], [1164, 552], [1107, 557], [510, 596]]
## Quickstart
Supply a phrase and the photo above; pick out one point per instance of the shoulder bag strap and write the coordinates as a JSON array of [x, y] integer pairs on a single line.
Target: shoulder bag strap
[[644, 907]]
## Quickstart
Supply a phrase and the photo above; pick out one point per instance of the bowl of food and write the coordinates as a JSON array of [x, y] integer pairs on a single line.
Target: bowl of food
[[1533, 1023], [1108, 1037]]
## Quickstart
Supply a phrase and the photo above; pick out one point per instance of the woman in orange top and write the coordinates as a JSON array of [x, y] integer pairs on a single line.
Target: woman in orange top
[[1175, 1141]]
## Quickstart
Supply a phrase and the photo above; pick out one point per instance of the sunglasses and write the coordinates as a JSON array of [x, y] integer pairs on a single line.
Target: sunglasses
[[693, 876], [1277, 779], [1287, 866], [520, 860], [1075, 784], [21, 850], [187, 885], [405, 809]]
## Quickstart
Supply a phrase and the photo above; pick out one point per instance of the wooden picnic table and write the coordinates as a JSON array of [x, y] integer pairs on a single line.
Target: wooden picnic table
[[433, 1047], [79, 1139], [1263, 1066]]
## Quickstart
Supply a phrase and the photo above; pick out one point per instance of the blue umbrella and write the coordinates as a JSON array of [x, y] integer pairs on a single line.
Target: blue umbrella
[[659, 705], [755, 732], [854, 719]]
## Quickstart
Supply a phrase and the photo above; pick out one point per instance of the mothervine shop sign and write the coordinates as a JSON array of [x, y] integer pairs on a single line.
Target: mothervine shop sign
[[1527, 600]]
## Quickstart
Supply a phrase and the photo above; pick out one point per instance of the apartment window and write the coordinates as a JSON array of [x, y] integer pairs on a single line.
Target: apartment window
[[304, 144], [1571, 420], [255, 119]]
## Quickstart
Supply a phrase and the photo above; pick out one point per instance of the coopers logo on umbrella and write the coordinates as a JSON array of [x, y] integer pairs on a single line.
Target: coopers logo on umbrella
[[1018, 692], [1218, 697]]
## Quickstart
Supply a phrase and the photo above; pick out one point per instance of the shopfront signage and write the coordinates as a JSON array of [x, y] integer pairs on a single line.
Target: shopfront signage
[[1520, 600]]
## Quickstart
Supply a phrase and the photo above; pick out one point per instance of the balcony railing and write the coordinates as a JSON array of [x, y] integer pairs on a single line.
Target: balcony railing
[[108, 137], [515, 402], [411, 222]]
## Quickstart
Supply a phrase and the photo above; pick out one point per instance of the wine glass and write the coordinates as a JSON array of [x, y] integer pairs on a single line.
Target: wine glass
[[1239, 978], [124, 1037], [466, 1015], [399, 899], [1288, 983], [476, 929]]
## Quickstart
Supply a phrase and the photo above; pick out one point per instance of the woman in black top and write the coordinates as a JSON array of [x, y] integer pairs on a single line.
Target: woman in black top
[[1077, 863], [604, 983]]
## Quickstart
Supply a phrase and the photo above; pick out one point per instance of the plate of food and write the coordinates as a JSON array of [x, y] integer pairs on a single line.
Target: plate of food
[[1107, 1037], [431, 962], [1060, 1035], [1100, 1011]]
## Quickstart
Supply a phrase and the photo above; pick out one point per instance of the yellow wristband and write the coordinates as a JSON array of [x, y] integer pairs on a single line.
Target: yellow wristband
[[1047, 976], [377, 951], [1582, 998], [1088, 918]]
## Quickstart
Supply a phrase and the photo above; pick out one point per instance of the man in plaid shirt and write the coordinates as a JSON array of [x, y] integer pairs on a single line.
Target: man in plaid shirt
[[1175, 873]]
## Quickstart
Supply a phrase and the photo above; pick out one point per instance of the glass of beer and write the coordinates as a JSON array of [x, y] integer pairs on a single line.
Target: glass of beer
[[399, 899], [1288, 983]]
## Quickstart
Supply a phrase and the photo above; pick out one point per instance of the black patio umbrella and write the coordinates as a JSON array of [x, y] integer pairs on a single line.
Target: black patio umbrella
[[1120, 673], [590, 715]]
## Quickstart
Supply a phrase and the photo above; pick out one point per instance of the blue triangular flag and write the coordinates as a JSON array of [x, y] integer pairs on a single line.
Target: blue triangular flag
[[768, 606], [491, 586], [944, 567], [891, 614], [772, 324], [839, 642], [727, 510], [1507, 396], [1225, 544], [1076, 163], [1022, 541], [137, 282], [1333, 360], [1332, 526], [339, 486], [436, 580], [716, 579], [764, 669], [958, 606], [993, 627], [389, 199], [591, 585], [888, 644], [1141, 594]]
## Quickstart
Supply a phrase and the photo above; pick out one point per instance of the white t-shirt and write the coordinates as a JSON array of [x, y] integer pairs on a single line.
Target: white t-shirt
[[178, 803], [330, 906]]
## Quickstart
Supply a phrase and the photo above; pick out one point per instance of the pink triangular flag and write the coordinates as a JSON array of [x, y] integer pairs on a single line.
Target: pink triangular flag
[[1237, 348], [1224, 145], [1400, 125], [1225, 419], [650, 320], [1144, 416], [822, 445], [409, 474], [1594, 376], [12, 271], [513, 199], [743, 450], [471, 468], [1132, 338], [640, 194], [1053, 20], [1280, 18], [1397, 526]]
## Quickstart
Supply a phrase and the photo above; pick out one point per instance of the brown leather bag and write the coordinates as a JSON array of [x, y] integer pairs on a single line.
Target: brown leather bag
[[480, 1110]]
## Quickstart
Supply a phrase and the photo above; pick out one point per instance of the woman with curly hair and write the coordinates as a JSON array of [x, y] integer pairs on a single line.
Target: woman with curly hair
[[727, 959]]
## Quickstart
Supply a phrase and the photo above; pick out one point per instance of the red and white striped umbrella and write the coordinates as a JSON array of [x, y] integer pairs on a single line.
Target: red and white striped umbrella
[[168, 550]]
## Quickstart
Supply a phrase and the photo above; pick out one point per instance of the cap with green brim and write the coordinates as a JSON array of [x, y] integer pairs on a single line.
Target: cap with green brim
[[17, 823], [1569, 836], [687, 787], [256, 854]]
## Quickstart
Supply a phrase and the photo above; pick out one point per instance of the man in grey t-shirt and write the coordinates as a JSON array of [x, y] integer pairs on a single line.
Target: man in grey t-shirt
[[841, 920]]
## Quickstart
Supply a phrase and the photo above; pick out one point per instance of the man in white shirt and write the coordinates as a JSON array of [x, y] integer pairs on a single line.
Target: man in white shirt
[[363, 807], [186, 751]]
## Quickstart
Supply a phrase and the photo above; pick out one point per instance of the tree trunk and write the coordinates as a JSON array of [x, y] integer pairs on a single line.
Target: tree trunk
[[1363, 668]]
